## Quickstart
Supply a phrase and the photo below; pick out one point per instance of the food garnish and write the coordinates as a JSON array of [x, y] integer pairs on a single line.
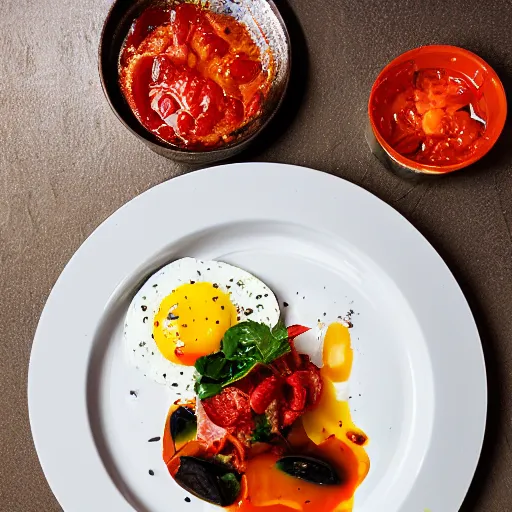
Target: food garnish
[[265, 438]]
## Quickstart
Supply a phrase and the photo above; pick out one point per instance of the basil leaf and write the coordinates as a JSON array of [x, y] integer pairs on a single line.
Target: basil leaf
[[212, 366], [240, 370], [239, 340], [262, 432], [280, 332], [244, 346], [207, 389]]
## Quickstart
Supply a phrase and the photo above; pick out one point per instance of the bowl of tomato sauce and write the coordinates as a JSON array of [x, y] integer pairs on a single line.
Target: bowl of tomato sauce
[[435, 109], [196, 81]]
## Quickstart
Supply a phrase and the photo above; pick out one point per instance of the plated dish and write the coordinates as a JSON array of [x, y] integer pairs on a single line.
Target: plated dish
[[254, 424], [401, 383]]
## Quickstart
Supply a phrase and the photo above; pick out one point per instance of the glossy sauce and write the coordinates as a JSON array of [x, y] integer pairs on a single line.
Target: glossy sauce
[[192, 77], [432, 115], [327, 433]]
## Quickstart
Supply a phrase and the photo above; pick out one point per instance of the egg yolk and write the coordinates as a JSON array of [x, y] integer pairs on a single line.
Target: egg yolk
[[332, 417], [191, 322]]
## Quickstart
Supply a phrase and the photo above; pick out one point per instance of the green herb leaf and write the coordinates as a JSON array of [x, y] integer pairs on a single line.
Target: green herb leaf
[[244, 346], [230, 487], [262, 432], [280, 332], [213, 366], [207, 389]]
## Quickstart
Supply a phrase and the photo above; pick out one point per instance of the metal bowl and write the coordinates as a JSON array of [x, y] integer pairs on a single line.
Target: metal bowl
[[267, 28]]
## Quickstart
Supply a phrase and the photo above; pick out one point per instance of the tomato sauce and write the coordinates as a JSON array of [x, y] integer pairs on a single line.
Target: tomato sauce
[[431, 115], [193, 77]]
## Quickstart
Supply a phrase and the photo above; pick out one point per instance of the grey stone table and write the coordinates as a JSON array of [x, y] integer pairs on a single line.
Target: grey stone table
[[66, 163]]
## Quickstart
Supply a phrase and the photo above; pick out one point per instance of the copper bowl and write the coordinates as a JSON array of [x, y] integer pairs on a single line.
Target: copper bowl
[[267, 28]]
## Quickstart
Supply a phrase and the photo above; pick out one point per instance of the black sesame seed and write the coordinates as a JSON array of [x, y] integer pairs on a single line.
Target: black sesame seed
[[187, 499], [155, 285], [222, 307], [144, 319], [215, 285], [217, 322], [133, 393], [215, 299], [238, 318], [151, 472], [231, 280], [170, 316], [285, 304], [192, 282], [258, 297], [181, 373], [228, 287], [266, 295], [143, 308], [164, 375], [154, 439], [208, 268], [184, 325], [227, 31], [174, 384], [325, 314], [248, 311], [198, 273]]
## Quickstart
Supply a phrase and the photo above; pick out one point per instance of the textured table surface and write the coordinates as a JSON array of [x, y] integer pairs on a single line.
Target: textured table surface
[[66, 163]]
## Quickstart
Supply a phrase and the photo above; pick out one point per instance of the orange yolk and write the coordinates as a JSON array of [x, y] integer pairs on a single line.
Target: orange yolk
[[271, 490], [191, 322]]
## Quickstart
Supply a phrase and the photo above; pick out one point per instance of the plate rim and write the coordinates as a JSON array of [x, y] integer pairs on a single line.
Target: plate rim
[[36, 387]]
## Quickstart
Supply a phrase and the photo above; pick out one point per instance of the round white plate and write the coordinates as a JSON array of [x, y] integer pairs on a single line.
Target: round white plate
[[325, 246]]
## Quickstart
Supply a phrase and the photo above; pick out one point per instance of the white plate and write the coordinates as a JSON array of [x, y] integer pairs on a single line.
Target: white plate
[[323, 245]]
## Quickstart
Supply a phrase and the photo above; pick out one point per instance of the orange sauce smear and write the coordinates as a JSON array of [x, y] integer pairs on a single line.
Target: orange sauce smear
[[327, 433], [433, 115], [192, 77]]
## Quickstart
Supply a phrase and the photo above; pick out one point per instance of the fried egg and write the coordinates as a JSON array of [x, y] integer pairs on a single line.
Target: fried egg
[[182, 312]]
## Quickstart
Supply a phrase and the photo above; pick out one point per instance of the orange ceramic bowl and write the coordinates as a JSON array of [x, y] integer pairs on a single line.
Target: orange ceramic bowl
[[492, 104]]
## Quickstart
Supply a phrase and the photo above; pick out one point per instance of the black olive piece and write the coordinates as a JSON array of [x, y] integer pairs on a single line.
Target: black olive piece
[[309, 469], [208, 481], [183, 425]]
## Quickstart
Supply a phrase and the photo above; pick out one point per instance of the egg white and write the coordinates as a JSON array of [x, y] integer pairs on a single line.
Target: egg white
[[252, 298]]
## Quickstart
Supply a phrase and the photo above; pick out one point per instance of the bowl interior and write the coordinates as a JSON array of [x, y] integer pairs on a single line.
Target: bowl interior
[[493, 103], [265, 26]]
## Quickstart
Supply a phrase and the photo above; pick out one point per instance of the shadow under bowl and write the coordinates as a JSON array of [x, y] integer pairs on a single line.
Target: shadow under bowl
[[267, 29]]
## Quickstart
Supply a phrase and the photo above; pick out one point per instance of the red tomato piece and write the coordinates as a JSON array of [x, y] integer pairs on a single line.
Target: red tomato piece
[[166, 106], [186, 15], [185, 123], [297, 330], [265, 393], [254, 105], [244, 71], [233, 110], [163, 69], [228, 408]]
